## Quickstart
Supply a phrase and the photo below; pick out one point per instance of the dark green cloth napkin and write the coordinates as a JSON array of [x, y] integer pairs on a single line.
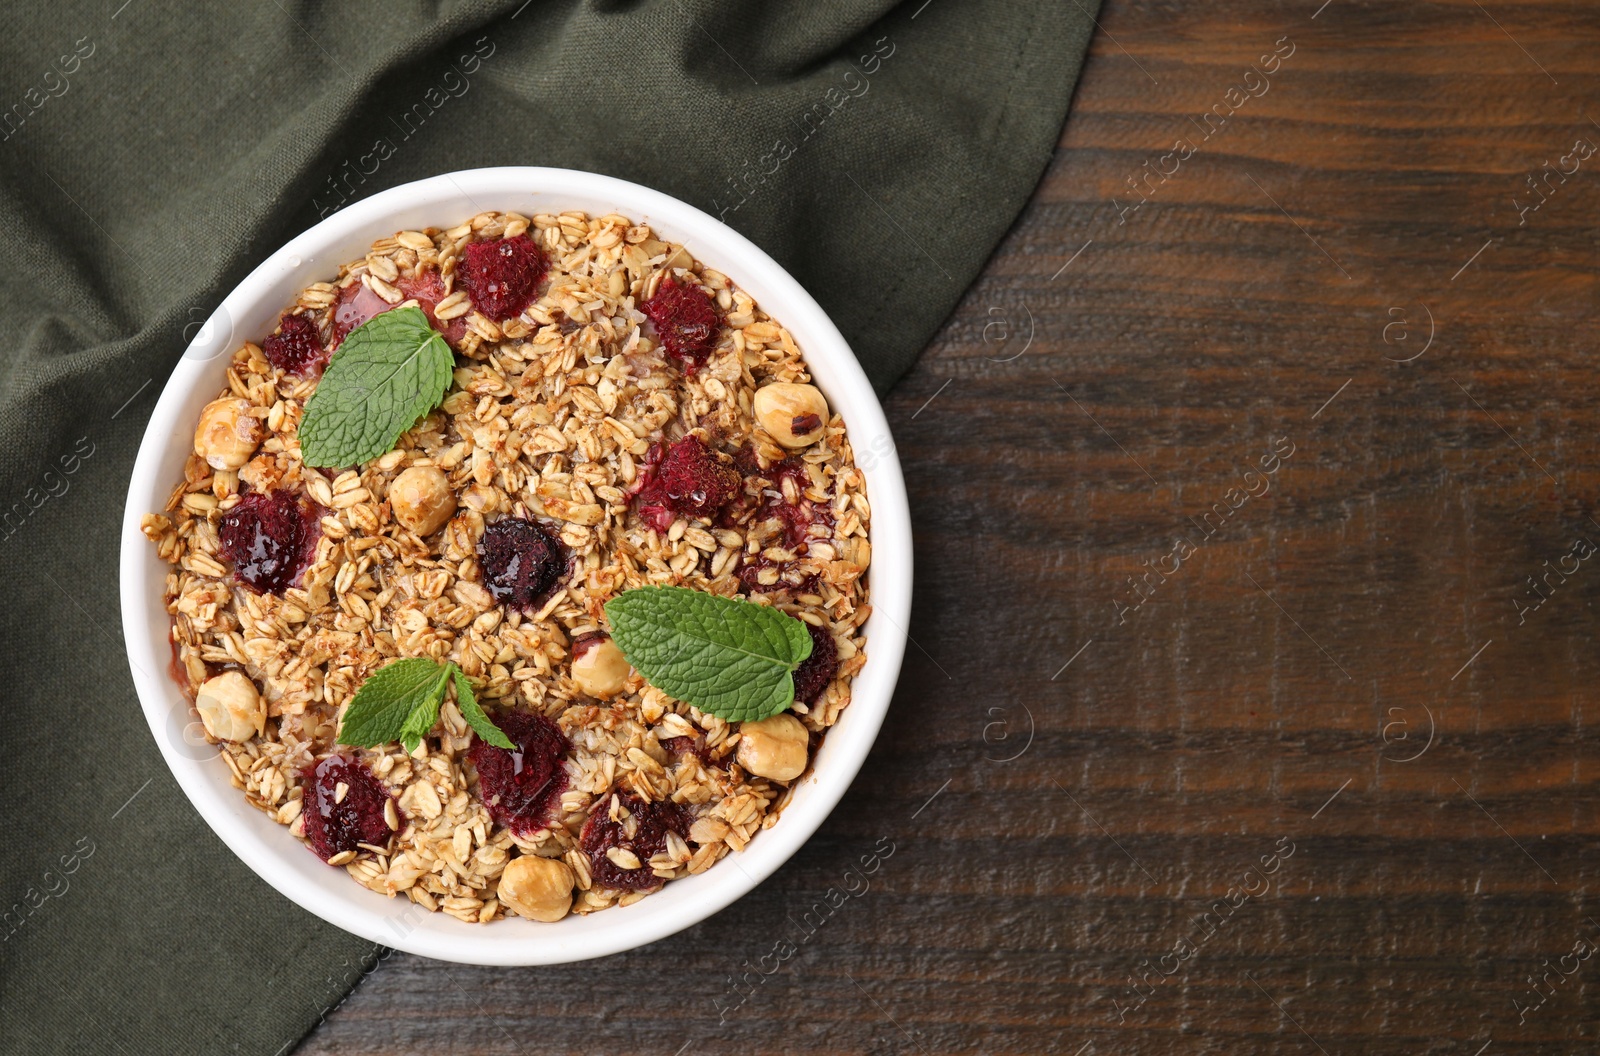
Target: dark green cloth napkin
[[153, 153]]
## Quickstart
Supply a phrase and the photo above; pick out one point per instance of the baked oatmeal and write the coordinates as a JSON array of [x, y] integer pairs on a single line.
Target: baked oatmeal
[[618, 416]]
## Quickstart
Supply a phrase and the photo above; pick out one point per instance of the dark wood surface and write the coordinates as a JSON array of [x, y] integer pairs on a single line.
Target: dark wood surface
[[1348, 673]]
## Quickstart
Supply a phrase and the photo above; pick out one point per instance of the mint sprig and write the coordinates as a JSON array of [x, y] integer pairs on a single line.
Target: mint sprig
[[388, 372], [732, 658], [401, 701]]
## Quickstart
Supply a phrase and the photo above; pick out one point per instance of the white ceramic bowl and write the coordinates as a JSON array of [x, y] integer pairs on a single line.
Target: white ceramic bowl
[[249, 313]]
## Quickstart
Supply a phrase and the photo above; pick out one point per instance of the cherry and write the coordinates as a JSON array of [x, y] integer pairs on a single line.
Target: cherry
[[270, 538], [333, 824], [818, 669], [523, 562], [651, 822], [522, 786]]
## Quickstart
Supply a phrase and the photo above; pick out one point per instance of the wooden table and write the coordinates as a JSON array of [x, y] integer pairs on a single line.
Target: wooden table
[[1191, 756]]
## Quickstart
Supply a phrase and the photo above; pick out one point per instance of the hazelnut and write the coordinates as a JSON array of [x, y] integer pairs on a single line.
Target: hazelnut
[[230, 707], [598, 666], [794, 415], [774, 748], [421, 499], [537, 888], [227, 434]]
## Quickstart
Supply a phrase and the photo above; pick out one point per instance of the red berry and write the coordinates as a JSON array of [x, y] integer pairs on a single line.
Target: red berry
[[818, 669], [523, 562], [501, 276], [689, 480], [333, 824], [644, 833], [357, 304], [522, 787], [297, 346], [686, 320], [270, 538]]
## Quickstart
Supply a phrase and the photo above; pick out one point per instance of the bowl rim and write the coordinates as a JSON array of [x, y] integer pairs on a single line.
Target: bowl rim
[[397, 922]]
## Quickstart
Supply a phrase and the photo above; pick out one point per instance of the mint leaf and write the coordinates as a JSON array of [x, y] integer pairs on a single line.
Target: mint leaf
[[388, 372], [474, 714], [392, 702], [732, 658], [401, 701]]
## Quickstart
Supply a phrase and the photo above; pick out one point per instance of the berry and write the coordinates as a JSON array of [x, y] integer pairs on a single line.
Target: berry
[[686, 320], [522, 787], [357, 304], [818, 669], [297, 346], [649, 823], [501, 275], [688, 480], [269, 537], [522, 562], [337, 824], [695, 746]]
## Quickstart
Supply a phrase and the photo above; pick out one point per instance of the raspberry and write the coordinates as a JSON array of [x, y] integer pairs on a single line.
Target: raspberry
[[818, 669], [522, 787], [649, 824], [690, 481], [686, 320], [297, 346], [522, 562], [501, 276], [269, 538], [336, 824]]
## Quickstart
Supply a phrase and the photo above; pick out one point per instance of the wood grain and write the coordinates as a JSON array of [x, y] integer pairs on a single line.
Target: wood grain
[[1338, 672]]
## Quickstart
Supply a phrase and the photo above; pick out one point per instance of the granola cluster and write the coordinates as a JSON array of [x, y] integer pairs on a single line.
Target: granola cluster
[[562, 415]]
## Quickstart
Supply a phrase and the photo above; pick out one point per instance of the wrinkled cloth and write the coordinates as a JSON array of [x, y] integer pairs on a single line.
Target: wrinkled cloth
[[152, 154]]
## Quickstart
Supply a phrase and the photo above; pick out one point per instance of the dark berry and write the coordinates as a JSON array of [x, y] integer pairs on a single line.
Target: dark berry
[[501, 276], [686, 320], [337, 824], [818, 669], [297, 346], [649, 824], [523, 562], [521, 787], [269, 538], [695, 746], [689, 480]]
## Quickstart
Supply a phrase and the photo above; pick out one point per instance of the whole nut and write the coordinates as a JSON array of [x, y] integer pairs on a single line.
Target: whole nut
[[230, 707], [794, 415], [227, 434], [598, 667], [537, 888], [774, 748], [421, 499]]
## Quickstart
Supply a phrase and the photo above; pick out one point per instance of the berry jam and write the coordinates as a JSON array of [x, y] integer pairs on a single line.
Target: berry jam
[[334, 825], [357, 304], [523, 562], [686, 320], [297, 346], [270, 539], [687, 480], [818, 669], [522, 787], [501, 275], [652, 822]]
